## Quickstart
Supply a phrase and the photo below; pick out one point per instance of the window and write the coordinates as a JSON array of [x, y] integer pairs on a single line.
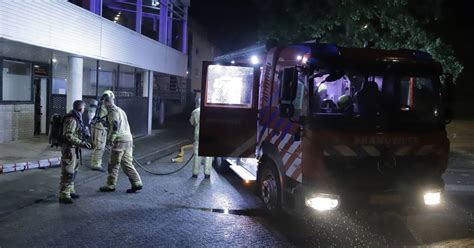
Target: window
[[127, 83], [16, 81], [89, 78], [402, 99], [59, 86], [417, 94], [120, 12], [229, 85], [107, 76]]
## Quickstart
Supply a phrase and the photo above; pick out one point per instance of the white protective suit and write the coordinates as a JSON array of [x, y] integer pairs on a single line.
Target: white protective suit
[[194, 120]]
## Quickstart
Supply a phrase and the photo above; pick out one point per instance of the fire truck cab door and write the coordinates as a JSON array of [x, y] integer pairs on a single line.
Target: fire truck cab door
[[228, 121]]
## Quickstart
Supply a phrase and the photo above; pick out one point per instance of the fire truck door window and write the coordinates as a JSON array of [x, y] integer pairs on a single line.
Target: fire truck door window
[[331, 95], [298, 102], [417, 93], [229, 86]]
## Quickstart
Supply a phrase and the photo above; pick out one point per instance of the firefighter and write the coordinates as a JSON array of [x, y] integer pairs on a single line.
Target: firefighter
[[194, 120], [121, 142], [72, 142], [99, 133]]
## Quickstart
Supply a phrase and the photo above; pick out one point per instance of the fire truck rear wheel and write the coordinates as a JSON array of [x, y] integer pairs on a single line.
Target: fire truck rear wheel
[[220, 165], [270, 189]]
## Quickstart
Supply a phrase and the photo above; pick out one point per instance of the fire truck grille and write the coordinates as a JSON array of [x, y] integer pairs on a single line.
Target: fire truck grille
[[379, 174]]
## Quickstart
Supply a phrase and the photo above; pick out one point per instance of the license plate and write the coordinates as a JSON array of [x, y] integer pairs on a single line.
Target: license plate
[[385, 199]]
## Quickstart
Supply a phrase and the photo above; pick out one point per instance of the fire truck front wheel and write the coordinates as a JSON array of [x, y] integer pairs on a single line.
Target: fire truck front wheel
[[270, 190]]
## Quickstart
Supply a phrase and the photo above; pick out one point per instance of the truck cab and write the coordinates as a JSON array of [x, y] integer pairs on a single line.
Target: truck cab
[[321, 127]]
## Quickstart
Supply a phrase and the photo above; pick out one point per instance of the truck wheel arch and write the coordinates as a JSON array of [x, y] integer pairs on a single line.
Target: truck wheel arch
[[270, 155]]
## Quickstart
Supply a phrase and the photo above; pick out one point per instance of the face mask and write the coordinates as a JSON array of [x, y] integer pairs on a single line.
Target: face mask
[[91, 113]]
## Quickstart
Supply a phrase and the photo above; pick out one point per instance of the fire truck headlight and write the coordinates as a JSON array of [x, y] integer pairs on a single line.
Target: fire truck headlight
[[323, 202], [432, 198]]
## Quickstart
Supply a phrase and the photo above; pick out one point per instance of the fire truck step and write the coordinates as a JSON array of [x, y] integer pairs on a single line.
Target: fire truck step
[[243, 173]]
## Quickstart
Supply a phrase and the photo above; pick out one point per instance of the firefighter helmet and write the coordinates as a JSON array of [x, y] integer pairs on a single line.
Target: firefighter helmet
[[322, 88], [93, 103], [109, 93], [343, 101]]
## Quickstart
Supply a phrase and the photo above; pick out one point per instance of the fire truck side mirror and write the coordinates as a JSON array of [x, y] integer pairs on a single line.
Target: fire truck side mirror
[[289, 86], [448, 97]]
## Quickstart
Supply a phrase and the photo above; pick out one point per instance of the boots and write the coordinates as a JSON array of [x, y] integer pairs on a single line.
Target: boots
[[75, 196], [65, 200], [134, 189], [106, 189]]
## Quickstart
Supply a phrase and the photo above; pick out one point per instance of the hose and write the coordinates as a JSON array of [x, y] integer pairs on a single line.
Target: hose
[[159, 173], [163, 173]]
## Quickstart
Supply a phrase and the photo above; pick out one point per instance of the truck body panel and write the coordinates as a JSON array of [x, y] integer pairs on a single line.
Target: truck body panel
[[387, 158]]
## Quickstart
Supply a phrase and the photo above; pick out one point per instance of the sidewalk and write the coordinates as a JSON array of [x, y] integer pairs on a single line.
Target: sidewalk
[[461, 135], [21, 189], [28, 154]]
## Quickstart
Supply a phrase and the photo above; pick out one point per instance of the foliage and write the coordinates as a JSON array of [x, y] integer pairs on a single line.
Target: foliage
[[391, 24]]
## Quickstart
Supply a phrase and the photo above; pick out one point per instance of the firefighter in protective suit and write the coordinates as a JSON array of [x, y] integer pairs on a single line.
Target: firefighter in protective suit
[[121, 155], [71, 144], [194, 120], [99, 133]]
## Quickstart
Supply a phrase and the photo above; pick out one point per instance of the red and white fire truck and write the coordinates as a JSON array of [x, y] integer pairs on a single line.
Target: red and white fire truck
[[323, 127]]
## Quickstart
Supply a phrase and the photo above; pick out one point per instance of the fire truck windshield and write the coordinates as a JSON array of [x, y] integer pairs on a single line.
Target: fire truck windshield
[[408, 99]]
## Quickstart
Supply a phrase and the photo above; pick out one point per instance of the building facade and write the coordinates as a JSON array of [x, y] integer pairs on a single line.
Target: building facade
[[200, 48], [55, 52]]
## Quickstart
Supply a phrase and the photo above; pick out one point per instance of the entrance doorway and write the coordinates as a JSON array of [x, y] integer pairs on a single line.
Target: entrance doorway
[[40, 87], [40, 84]]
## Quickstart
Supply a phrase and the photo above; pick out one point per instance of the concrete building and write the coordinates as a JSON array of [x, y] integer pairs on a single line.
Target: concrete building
[[200, 48], [55, 52]]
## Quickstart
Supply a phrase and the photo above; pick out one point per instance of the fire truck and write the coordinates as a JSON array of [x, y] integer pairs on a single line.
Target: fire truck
[[320, 127]]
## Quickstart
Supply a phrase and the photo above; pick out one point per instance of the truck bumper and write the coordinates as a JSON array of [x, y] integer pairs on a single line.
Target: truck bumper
[[410, 198]]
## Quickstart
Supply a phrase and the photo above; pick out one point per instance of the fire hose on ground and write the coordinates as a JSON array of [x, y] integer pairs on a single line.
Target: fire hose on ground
[[179, 158]]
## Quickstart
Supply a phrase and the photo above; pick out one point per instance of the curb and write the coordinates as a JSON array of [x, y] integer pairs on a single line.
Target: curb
[[37, 164], [54, 162]]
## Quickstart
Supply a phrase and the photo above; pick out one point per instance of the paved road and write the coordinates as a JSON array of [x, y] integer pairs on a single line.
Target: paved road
[[180, 211]]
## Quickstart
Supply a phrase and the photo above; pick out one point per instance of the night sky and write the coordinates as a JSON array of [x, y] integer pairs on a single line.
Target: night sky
[[232, 24]]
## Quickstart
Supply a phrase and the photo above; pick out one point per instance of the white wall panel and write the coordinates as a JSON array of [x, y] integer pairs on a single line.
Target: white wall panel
[[65, 27]]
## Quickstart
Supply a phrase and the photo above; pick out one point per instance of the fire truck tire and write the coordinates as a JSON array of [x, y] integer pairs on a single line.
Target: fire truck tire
[[220, 165], [270, 189]]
